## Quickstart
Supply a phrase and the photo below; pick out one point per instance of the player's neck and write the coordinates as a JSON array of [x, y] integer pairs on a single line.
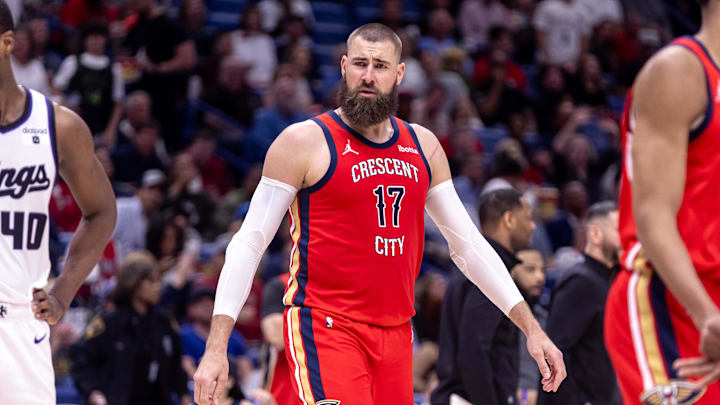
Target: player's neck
[[12, 100], [709, 33], [377, 133]]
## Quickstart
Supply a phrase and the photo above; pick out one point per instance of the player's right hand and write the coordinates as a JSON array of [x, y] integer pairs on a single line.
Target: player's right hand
[[708, 370], [710, 337], [211, 377]]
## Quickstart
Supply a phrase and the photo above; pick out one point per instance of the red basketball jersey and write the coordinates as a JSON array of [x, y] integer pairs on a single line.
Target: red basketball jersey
[[698, 219], [358, 233]]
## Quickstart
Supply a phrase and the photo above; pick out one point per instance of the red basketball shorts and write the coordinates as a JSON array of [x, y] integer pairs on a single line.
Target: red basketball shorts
[[334, 360], [646, 330]]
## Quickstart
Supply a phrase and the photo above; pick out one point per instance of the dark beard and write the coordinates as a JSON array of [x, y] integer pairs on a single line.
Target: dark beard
[[362, 111], [610, 253]]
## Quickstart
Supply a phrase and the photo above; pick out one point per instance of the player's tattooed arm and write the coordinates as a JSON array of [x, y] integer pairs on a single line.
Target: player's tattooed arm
[[91, 189]]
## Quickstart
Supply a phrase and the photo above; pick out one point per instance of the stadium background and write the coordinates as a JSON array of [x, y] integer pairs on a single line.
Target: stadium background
[[183, 141]]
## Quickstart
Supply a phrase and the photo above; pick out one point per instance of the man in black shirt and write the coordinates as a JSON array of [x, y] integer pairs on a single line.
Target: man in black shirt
[[165, 55], [577, 310], [478, 358]]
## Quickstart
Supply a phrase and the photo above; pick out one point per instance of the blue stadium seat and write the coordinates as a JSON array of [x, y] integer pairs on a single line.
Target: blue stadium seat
[[224, 14]]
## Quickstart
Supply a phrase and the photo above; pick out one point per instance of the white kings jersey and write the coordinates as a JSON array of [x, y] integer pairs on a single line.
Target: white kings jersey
[[28, 166]]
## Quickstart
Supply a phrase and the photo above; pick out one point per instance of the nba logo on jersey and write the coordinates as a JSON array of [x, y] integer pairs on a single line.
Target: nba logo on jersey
[[328, 322]]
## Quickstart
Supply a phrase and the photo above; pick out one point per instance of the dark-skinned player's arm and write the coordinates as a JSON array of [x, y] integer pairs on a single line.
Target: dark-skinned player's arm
[[284, 170], [670, 94], [91, 189], [481, 264]]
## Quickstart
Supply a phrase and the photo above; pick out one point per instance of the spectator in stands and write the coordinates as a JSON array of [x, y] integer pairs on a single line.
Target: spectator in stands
[[590, 88], [40, 31], [134, 213], [529, 275], [284, 108], [294, 33], [478, 358], [429, 293], [477, 17], [138, 112], [428, 110], [231, 94], [563, 32], [300, 58], [194, 334], [28, 70], [500, 51], [221, 49], [165, 55], [278, 380], [133, 353], [97, 81], [135, 158], [255, 48], [214, 174], [577, 311], [392, 14], [192, 14], [274, 12], [186, 193], [470, 179], [441, 27], [552, 90], [509, 162], [605, 10], [76, 13], [497, 94], [414, 81]]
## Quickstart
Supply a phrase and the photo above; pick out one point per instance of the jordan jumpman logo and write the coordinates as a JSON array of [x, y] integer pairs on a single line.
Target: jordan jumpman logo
[[349, 149]]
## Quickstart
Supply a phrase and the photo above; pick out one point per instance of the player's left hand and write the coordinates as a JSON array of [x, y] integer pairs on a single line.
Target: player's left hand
[[707, 369], [548, 358], [46, 307]]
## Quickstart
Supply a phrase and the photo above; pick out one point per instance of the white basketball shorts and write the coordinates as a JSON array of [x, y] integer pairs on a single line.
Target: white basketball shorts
[[26, 371]]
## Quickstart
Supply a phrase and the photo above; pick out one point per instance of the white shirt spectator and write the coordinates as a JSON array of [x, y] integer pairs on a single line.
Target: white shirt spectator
[[258, 51], [31, 75], [565, 25], [129, 234], [603, 10], [476, 17], [272, 11], [69, 66]]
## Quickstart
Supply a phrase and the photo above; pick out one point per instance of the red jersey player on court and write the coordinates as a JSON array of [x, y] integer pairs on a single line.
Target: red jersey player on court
[[665, 306], [365, 179]]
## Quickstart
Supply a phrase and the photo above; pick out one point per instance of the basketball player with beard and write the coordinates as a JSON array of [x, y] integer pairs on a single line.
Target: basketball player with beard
[[356, 182]]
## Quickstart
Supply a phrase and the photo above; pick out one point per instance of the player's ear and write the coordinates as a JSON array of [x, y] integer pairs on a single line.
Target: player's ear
[[343, 63], [400, 73], [508, 219], [7, 43]]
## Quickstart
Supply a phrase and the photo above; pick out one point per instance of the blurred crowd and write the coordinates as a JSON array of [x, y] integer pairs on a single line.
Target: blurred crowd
[[522, 94]]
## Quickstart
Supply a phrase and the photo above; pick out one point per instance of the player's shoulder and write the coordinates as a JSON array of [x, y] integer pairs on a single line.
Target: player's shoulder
[[301, 135], [67, 121], [672, 65], [427, 139]]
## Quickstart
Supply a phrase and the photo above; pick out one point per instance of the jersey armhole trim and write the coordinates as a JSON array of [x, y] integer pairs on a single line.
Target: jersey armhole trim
[[27, 110], [709, 110], [422, 154], [53, 135], [333, 159]]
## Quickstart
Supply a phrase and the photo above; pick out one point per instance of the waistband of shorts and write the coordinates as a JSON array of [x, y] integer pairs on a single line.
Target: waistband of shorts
[[15, 312]]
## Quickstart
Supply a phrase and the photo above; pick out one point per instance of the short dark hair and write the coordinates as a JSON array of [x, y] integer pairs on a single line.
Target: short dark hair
[[703, 3], [376, 32], [95, 27], [497, 31], [6, 18], [600, 210], [494, 204]]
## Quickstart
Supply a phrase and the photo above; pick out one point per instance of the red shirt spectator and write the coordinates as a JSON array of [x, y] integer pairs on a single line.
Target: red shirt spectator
[[76, 12]]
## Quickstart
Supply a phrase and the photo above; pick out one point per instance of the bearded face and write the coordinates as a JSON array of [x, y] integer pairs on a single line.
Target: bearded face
[[366, 105]]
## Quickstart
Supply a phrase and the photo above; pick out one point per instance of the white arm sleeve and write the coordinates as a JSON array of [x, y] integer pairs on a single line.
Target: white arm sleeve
[[268, 206], [468, 248]]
